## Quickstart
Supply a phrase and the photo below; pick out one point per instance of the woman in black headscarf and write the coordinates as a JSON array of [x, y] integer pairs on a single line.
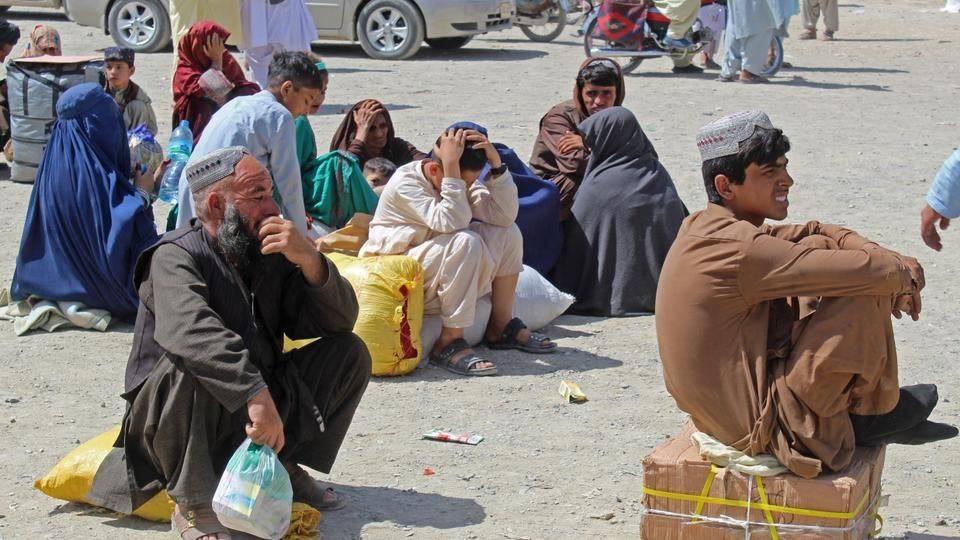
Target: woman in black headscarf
[[624, 219]]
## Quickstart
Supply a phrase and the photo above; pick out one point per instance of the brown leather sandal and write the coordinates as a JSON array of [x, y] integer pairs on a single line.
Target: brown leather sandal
[[197, 522]]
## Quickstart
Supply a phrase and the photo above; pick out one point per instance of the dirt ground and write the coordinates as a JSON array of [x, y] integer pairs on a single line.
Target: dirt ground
[[871, 118]]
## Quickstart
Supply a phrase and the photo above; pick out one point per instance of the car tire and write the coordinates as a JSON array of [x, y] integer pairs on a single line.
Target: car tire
[[449, 43], [142, 25], [389, 16]]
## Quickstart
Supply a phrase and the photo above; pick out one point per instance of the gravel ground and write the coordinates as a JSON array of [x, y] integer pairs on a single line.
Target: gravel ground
[[871, 117]]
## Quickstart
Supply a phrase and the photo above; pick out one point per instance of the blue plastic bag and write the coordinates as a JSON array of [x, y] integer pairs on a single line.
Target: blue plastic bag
[[254, 495]]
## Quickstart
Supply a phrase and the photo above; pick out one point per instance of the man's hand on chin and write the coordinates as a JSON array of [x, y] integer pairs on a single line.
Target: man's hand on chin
[[280, 236]]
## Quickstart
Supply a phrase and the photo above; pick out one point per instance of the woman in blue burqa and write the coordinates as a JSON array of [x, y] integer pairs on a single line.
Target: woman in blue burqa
[[87, 221]]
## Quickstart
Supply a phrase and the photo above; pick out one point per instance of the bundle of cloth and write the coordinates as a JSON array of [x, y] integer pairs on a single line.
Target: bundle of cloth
[[539, 215], [334, 188]]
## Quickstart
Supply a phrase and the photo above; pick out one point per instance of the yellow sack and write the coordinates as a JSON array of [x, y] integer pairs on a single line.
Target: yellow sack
[[72, 478], [390, 292]]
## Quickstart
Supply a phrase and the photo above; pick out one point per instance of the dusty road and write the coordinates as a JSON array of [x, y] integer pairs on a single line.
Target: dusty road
[[871, 117]]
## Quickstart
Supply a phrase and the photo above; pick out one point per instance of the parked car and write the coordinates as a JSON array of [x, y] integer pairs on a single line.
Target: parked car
[[386, 29]]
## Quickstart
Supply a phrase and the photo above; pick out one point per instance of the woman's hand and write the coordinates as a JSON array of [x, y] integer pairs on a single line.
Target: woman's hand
[[215, 49], [364, 116]]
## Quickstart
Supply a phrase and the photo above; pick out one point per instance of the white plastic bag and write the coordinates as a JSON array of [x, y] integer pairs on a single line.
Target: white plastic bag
[[254, 495], [537, 303]]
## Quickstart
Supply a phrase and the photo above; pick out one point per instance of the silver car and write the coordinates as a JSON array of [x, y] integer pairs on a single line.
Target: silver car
[[386, 29]]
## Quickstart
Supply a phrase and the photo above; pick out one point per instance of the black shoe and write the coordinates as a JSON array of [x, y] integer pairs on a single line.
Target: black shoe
[[915, 405], [687, 69], [925, 432]]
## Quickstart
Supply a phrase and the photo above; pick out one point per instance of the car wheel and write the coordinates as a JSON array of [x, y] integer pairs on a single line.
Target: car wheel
[[449, 43], [142, 25], [390, 29]]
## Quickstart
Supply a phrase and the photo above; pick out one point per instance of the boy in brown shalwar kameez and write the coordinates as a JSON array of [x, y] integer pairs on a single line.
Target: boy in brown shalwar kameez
[[737, 354]]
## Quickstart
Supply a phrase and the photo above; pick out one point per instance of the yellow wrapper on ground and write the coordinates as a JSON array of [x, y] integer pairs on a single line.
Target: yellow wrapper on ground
[[571, 392], [71, 478], [390, 292]]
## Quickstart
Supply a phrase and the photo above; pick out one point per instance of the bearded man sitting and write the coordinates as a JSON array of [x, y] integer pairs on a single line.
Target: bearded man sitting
[[208, 367]]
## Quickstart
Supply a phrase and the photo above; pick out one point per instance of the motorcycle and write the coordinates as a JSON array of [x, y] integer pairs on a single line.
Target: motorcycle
[[632, 32], [542, 20]]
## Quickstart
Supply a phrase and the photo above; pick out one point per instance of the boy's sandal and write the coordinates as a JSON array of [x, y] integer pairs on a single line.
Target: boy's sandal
[[538, 343], [463, 365], [196, 523]]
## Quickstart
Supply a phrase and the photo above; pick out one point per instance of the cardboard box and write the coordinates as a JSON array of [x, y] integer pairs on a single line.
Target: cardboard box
[[675, 467]]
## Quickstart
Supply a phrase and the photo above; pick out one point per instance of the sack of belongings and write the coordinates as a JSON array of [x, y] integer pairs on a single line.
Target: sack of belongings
[[390, 292], [71, 480]]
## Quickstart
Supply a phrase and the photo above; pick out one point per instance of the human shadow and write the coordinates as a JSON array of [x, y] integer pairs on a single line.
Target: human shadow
[[328, 109], [557, 332], [802, 82], [404, 508], [921, 536], [847, 70], [20, 15], [358, 70], [115, 520], [519, 40], [703, 75], [881, 40], [467, 54], [515, 364]]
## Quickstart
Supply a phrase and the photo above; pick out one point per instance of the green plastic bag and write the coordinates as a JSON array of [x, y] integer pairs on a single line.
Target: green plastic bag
[[254, 495]]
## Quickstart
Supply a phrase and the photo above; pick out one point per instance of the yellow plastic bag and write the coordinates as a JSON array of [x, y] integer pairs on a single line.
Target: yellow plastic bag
[[72, 478], [390, 292]]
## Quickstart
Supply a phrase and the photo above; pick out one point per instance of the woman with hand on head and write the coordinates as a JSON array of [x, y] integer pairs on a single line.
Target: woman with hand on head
[[207, 77], [367, 132]]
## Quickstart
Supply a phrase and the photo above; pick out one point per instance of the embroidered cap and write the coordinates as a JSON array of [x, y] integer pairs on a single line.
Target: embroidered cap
[[120, 54], [723, 137], [214, 167]]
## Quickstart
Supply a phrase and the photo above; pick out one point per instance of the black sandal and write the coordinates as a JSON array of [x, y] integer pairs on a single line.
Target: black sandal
[[538, 343], [464, 364]]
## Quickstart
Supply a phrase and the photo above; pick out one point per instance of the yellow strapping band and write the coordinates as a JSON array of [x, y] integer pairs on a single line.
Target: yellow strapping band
[[761, 505], [766, 513]]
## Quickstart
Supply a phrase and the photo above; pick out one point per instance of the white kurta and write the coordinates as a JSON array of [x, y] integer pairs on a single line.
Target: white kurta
[[287, 25], [463, 237]]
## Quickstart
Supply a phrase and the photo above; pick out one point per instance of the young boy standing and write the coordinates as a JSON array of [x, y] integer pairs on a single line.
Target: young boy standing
[[134, 103]]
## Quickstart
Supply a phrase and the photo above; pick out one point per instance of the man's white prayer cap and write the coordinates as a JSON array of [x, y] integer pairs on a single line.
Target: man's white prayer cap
[[214, 167], [723, 137]]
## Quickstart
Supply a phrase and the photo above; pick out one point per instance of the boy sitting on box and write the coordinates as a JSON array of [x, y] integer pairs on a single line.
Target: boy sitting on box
[[134, 103], [778, 339]]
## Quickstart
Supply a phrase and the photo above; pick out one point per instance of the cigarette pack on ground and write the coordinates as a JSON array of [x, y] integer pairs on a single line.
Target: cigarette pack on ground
[[446, 436], [687, 498]]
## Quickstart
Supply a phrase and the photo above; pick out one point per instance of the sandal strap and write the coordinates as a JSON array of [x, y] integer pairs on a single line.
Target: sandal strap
[[510, 332], [193, 523], [452, 349]]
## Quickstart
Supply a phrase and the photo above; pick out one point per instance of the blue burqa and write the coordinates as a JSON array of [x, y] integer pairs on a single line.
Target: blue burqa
[[539, 215], [85, 224]]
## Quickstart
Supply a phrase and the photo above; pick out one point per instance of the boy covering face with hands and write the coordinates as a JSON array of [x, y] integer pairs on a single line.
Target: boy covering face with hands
[[462, 231]]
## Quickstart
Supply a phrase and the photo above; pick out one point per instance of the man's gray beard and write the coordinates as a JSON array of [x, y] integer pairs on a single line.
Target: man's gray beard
[[238, 246]]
